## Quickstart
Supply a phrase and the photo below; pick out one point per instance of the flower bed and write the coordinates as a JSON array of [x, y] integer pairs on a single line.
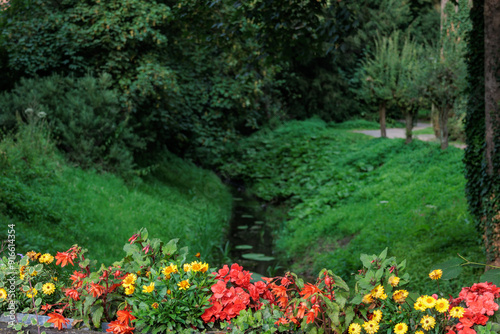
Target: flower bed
[[158, 287]]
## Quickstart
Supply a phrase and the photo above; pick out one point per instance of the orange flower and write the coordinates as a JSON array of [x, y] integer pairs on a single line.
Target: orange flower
[[312, 314], [278, 291], [95, 289], [117, 327], [64, 258], [73, 294], [125, 317], [301, 310], [309, 290], [58, 320]]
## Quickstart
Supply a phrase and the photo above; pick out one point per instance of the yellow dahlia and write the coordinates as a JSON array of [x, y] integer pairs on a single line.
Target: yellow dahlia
[[31, 293], [48, 288], [428, 301], [457, 312], [377, 315], [401, 328], [354, 328], [371, 327], [394, 280], [377, 291], [129, 290], [427, 322], [148, 288], [442, 305], [46, 258], [184, 285], [399, 296], [3, 294], [436, 274]]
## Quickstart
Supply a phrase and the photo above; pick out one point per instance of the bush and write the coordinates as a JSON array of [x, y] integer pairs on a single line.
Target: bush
[[83, 115]]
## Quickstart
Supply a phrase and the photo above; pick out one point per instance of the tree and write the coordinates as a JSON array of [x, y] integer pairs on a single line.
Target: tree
[[378, 76], [482, 157]]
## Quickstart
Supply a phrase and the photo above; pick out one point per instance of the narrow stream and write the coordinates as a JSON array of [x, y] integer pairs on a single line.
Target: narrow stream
[[250, 238]]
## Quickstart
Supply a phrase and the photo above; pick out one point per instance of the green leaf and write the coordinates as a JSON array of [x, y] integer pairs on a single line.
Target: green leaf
[[97, 315], [39, 267], [366, 260], [492, 276], [38, 301], [38, 286], [170, 248], [33, 321], [383, 255]]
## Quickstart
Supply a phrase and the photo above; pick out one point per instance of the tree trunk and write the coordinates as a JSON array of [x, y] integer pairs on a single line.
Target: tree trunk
[[381, 112], [409, 126], [443, 126], [491, 205]]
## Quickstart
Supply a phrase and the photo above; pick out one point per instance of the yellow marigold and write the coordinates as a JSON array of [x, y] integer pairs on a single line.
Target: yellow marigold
[[457, 312], [377, 291], [377, 315], [148, 288], [399, 296], [184, 285], [46, 258], [171, 269], [129, 290], [3, 294], [186, 267], [31, 293], [371, 327], [129, 280], [427, 322], [401, 328], [354, 328], [367, 299], [436, 274], [48, 288], [155, 305], [196, 266], [428, 301], [394, 280], [442, 305]]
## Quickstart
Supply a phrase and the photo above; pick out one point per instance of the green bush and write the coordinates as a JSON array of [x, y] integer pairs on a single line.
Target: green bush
[[84, 117]]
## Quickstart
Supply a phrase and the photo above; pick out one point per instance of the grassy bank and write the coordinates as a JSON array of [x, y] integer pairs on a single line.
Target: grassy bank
[[350, 194], [54, 205]]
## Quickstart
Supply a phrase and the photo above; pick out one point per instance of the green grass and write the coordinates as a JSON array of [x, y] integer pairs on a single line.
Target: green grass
[[55, 205], [426, 131], [350, 194]]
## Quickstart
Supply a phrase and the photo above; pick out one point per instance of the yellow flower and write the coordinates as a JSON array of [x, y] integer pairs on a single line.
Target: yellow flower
[[428, 301], [442, 305], [401, 328], [377, 315], [54, 279], [21, 276], [148, 273], [48, 288], [129, 290], [436, 274], [129, 280], [34, 273], [148, 288], [32, 255], [46, 258], [394, 280], [399, 296], [383, 297], [3, 294], [184, 285], [204, 267], [354, 328], [419, 305], [196, 266], [171, 269], [457, 312], [367, 299], [419, 332], [155, 305], [371, 327], [377, 291], [31, 293], [186, 267], [427, 322], [169, 292]]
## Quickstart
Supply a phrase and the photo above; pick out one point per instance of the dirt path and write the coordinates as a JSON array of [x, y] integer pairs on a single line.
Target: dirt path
[[401, 133]]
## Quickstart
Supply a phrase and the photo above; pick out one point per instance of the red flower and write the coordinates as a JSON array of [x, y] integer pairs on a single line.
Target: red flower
[[64, 258], [133, 238], [73, 294], [118, 328], [278, 290], [301, 310], [125, 317], [146, 249], [58, 320], [219, 289], [95, 289], [309, 290]]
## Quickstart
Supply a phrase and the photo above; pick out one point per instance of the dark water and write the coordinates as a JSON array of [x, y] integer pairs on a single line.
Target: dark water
[[250, 238]]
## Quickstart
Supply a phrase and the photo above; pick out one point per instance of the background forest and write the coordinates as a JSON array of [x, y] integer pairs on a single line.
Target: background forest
[[109, 110]]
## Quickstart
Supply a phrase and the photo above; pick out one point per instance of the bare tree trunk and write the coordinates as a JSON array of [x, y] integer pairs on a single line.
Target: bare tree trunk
[[492, 128], [443, 126], [381, 112], [409, 126]]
